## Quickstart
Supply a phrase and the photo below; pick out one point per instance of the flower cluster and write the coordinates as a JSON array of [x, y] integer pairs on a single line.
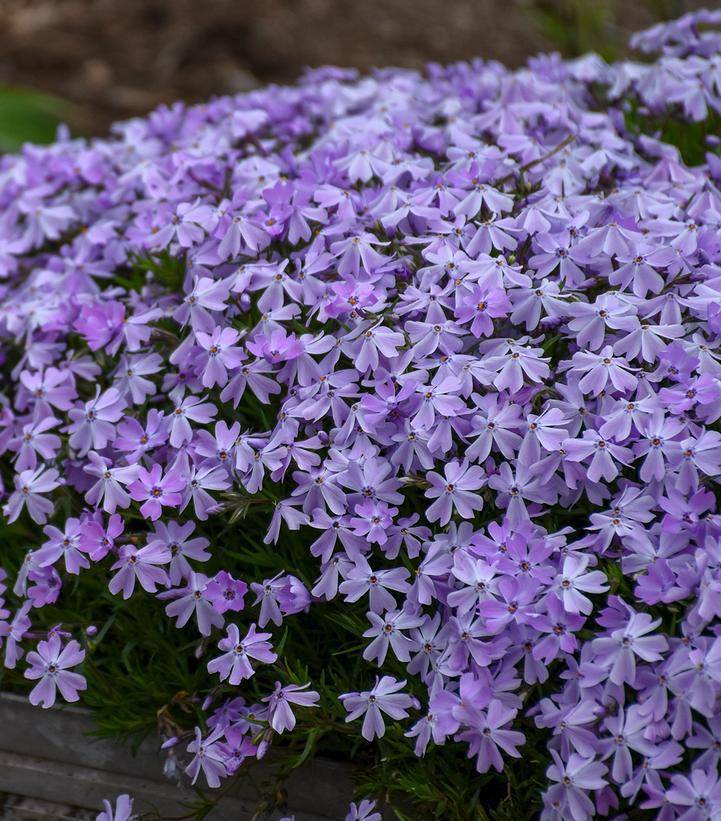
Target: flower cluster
[[456, 337]]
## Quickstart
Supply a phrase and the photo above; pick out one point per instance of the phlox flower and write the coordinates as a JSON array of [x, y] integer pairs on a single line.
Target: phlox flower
[[50, 663], [156, 490], [383, 697], [30, 485], [234, 664], [454, 490], [280, 714]]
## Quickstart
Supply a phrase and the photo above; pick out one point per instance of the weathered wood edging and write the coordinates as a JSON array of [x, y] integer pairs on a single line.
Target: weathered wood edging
[[47, 754]]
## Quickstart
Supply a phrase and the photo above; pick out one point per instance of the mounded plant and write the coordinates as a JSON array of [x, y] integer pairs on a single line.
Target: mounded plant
[[378, 417]]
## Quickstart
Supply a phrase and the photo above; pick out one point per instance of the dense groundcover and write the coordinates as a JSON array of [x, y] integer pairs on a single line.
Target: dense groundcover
[[379, 418]]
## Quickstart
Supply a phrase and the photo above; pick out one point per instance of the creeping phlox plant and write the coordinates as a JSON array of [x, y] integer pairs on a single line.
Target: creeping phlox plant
[[383, 410]]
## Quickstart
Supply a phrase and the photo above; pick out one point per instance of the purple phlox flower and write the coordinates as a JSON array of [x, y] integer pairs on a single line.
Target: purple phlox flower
[[29, 487], [276, 347], [190, 409], [514, 361], [206, 296], [513, 604], [319, 488], [226, 593], [133, 440], [96, 539], [546, 430], [352, 297], [280, 715], [490, 733], [558, 252], [513, 490], [130, 376], [435, 565], [357, 253], [108, 490], [624, 413], [361, 579], [221, 355], [34, 441], [239, 233], [627, 733], [208, 757], [538, 304], [363, 811], [465, 635], [696, 455], [365, 344], [628, 514], [285, 511], [409, 534], [237, 747], [439, 399], [46, 586], [603, 454], [50, 663], [698, 797], [198, 480], [454, 490], [372, 520], [48, 388], [191, 600], [267, 595], [430, 726], [617, 652], [220, 445], [373, 479], [156, 490], [187, 226], [707, 737], [479, 580], [93, 425], [292, 595], [573, 581], [599, 369], [591, 321], [234, 664], [175, 537], [251, 375], [572, 723], [664, 755], [657, 444], [559, 626], [142, 565], [123, 810], [574, 779], [640, 269], [14, 632], [648, 341], [101, 324], [67, 544], [386, 631], [427, 337], [495, 425], [428, 644], [383, 697]]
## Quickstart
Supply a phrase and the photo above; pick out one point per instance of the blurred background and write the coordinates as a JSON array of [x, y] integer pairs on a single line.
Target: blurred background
[[90, 62]]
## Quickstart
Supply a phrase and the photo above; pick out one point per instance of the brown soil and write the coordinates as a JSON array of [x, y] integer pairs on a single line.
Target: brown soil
[[116, 58]]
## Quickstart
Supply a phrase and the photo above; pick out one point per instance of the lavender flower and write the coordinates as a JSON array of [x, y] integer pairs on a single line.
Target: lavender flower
[[50, 663], [382, 698]]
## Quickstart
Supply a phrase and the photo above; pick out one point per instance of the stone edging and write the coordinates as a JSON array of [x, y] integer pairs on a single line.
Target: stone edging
[[47, 755]]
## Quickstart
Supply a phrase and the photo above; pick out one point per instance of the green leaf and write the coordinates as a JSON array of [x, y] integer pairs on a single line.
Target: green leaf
[[26, 116], [313, 736]]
